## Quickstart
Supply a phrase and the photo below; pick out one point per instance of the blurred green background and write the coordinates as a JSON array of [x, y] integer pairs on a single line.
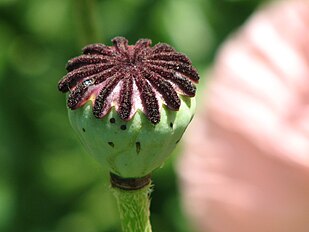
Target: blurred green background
[[47, 181]]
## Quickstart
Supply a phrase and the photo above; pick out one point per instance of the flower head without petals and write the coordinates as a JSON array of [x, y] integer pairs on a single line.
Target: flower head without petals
[[129, 77]]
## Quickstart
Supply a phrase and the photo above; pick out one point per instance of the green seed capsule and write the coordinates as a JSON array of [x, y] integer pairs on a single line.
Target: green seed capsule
[[134, 148], [130, 104]]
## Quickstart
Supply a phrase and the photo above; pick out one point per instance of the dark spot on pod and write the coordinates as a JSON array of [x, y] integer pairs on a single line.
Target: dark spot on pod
[[111, 144], [112, 120], [123, 127], [171, 125], [138, 147], [83, 129], [177, 141]]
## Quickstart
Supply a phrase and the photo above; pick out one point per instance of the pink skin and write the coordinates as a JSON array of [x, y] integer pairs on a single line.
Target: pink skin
[[246, 163]]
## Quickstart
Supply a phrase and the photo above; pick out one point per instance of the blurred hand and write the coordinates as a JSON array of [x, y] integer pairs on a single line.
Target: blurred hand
[[246, 164]]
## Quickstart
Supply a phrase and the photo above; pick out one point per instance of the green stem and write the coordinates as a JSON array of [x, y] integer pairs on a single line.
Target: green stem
[[85, 19], [134, 208]]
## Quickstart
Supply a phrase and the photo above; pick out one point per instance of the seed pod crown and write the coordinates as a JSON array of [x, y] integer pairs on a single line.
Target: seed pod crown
[[129, 78]]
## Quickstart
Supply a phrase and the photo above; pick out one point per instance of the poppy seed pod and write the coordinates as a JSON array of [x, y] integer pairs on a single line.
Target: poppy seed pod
[[130, 104]]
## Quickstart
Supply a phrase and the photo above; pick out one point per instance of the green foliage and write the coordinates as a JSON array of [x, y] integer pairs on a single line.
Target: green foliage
[[47, 181]]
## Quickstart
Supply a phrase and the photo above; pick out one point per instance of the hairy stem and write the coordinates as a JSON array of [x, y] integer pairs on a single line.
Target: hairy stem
[[134, 208]]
